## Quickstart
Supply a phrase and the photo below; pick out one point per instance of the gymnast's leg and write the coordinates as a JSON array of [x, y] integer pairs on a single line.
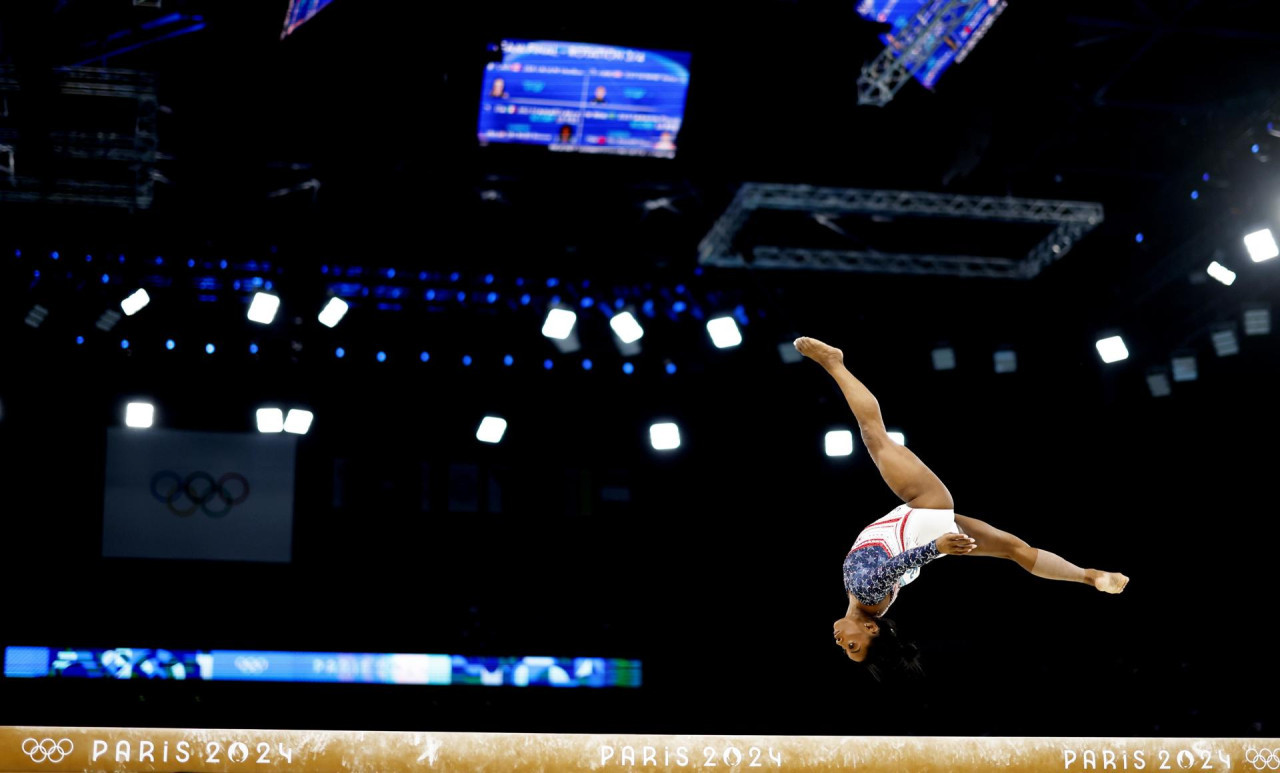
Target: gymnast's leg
[[902, 470], [1001, 544]]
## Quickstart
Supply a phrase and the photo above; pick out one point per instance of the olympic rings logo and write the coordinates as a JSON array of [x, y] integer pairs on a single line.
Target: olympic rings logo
[[1263, 759], [199, 489], [47, 749], [251, 665]]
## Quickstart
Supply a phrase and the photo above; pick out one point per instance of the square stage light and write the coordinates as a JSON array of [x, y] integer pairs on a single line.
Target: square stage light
[[664, 436], [839, 442], [298, 421], [1261, 245], [491, 429], [1112, 349], [139, 415], [270, 420], [333, 312], [724, 332], [264, 307]]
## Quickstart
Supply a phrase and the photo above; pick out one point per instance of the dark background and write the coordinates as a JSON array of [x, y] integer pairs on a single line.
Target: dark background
[[721, 572]]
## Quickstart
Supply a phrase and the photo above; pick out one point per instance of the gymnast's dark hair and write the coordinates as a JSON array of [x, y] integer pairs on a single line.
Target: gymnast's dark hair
[[892, 658]]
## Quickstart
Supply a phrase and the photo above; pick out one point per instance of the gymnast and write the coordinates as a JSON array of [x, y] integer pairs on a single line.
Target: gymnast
[[888, 554]]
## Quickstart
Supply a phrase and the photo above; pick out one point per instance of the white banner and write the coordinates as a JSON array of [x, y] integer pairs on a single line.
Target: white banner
[[203, 495]]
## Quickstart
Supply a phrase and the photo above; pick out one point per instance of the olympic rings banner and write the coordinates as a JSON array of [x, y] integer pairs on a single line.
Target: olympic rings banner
[[164, 750], [204, 495]]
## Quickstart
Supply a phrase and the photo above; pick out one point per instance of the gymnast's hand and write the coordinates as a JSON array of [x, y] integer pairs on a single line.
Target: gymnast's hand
[[955, 544]]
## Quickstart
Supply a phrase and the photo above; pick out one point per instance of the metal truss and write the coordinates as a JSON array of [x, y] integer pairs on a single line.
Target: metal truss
[[1071, 221], [136, 150], [882, 77]]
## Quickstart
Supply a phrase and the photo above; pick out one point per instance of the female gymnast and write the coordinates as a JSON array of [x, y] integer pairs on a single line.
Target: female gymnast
[[888, 554]]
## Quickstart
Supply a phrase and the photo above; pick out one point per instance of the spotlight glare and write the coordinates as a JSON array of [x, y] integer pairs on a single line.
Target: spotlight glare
[[1225, 342], [664, 436], [839, 442], [209, 348], [491, 429], [897, 437], [944, 358], [333, 312], [1006, 361], [169, 344], [270, 420], [264, 307], [559, 324], [724, 332], [1257, 321], [626, 328], [298, 421], [1221, 273], [134, 303], [139, 415], [1261, 245], [1112, 349], [1184, 368]]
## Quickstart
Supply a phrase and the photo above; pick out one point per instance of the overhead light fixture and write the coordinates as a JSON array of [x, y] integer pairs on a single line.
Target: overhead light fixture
[[724, 332], [838, 442], [944, 358], [139, 415], [1261, 245], [298, 421], [627, 332], [664, 436], [135, 302], [36, 316], [1006, 361], [333, 312], [491, 429], [1257, 321], [1221, 273], [560, 326], [263, 308], [1225, 342], [270, 420], [1112, 349], [897, 437], [1184, 368], [1158, 382]]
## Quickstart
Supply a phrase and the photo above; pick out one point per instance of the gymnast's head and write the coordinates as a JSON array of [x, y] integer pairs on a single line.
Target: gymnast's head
[[875, 644]]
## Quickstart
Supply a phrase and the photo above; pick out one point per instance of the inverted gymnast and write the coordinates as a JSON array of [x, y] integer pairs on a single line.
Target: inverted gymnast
[[888, 554]]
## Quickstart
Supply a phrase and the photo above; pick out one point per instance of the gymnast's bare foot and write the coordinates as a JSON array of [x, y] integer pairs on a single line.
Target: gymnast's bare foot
[[824, 355], [1110, 582]]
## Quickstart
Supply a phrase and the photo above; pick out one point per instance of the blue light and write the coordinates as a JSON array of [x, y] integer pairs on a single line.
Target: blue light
[[586, 364], [88, 258], [671, 367], [79, 340], [680, 289], [548, 364], [124, 343], [222, 264], [324, 269], [54, 255], [1255, 148], [209, 349], [587, 302], [466, 360], [105, 279], [169, 344], [235, 285], [120, 259], [424, 357], [647, 308], [555, 299], [488, 279], [253, 348], [36, 273], [628, 368], [552, 282], [492, 297], [461, 296], [618, 304], [1138, 238], [697, 271], [267, 284], [454, 276], [431, 295], [17, 253], [191, 263], [391, 273], [381, 356], [679, 306], [422, 276], [508, 360], [519, 281], [159, 261], [586, 283], [1195, 195], [339, 352], [524, 300], [1205, 177]]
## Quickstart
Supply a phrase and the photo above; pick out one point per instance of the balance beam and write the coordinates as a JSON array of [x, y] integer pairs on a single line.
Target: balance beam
[[164, 750]]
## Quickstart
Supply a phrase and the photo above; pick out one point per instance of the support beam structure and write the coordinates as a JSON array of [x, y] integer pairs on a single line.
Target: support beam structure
[[1070, 221]]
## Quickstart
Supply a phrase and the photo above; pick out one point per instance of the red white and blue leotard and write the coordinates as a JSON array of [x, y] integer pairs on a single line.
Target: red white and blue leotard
[[888, 554]]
